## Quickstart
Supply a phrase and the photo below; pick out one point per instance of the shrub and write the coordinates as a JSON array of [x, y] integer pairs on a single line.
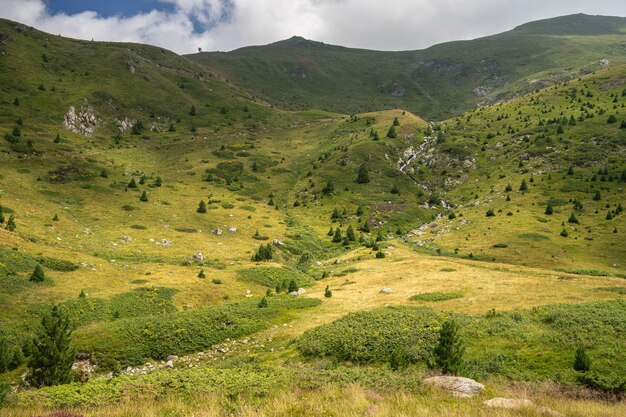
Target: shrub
[[435, 296], [490, 213], [363, 175], [523, 186], [597, 196], [327, 292], [564, 233], [144, 197], [201, 207], [549, 209], [264, 253], [573, 219], [201, 274], [380, 254], [391, 133]]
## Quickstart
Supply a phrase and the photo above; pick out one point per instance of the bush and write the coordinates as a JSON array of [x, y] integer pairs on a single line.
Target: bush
[[264, 253], [38, 275], [582, 361], [490, 213], [201, 207], [363, 175], [435, 296], [327, 292]]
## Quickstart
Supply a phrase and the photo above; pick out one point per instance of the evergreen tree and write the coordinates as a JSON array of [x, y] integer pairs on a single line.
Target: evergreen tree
[[327, 292], [396, 122], [52, 356], [1, 215], [582, 361], [37, 275], [366, 226], [172, 128], [263, 303], [330, 231], [523, 186], [573, 219], [380, 254], [293, 286], [144, 197], [192, 110], [142, 180], [201, 274], [359, 211], [328, 188], [597, 196], [132, 183], [450, 349], [564, 233], [104, 174], [395, 189], [570, 170], [201, 207], [508, 188], [363, 175], [391, 133], [337, 236], [264, 253], [158, 182], [11, 223], [549, 209], [350, 234], [137, 128], [82, 294], [57, 139]]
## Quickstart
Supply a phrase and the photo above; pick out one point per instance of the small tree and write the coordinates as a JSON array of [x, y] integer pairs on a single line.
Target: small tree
[[450, 349], [1, 215], [137, 128], [327, 292], [337, 235], [263, 302], [144, 197], [201, 207], [582, 361], [549, 209], [508, 188], [391, 133], [396, 122], [570, 170], [350, 234], [192, 110], [573, 219], [172, 128], [329, 187], [597, 196], [201, 274], [57, 139], [52, 355], [11, 223], [523, 186], [38, 275], [132, 183], [158, 182], [380, 254], [293, 286], [363, 175]]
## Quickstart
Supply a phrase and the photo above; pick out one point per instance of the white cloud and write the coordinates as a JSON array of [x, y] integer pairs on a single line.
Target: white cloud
[[374, 24]]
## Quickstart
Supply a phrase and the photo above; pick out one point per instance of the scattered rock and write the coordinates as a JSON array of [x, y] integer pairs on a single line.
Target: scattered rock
[[514, 403], [84, 122], [171, 358], [4, 38], [126, 239], [277, 242], [165, 242], [218, 232], [385, 290], [232, 229], [459, 386], [299, 292], [480, 91], [198, 256], [124, 125], [169, 364], [604, 62]]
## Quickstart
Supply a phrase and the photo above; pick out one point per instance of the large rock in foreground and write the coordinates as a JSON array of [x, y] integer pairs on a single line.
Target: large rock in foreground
[[459, 386]]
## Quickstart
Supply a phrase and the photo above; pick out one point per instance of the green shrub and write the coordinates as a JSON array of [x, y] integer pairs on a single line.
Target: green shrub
[[435, 296], [582, 361], [450, 349]]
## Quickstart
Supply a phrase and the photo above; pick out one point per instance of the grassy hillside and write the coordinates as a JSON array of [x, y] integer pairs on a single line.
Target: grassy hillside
[[149, 236], [436, 83]]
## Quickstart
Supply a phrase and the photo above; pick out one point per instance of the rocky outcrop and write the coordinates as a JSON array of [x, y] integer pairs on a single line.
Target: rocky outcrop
[[124, 125], [83, 122]]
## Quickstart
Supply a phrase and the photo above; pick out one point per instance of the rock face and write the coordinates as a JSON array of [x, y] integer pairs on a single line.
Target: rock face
[[459, 386], [499, 402], [84, 122]]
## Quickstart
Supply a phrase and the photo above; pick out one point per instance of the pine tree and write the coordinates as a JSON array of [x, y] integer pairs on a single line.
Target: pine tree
[[201, 207], [350, 234], [158, 182], [293, 286], [573, 219], [380, 254], [1, 215], [549, 209], [132, 183], [597, 196], [192, 110], [582, 361], [450, 349], [564, 233], [363, 175], [396, 122], [144, 197], [328, 188], [263, 303], [337, 236], [52, 356], [38, 275], [327, 292], [104, 174], [523, 186], [330, 231], [57, 139], [82, 294], [391, 133], [11, 223], [172, 128], [508, 188], [201, 274], [570, 171]]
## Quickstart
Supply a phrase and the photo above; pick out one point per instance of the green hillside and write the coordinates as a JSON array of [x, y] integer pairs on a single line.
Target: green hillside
[[436, 83], [218, 254]]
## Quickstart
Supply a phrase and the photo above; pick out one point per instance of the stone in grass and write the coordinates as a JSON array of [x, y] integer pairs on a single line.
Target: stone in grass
[[499, 402], [386, 290], [459, 386]]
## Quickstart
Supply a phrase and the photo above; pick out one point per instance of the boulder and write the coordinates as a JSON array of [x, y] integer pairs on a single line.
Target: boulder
[[171, 358], [218, 232], [511, 403], [459, 386], [232, 229], [386, 290], [198, 256]]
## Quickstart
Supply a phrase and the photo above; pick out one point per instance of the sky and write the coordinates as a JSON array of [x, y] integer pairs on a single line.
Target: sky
[[184, 26]]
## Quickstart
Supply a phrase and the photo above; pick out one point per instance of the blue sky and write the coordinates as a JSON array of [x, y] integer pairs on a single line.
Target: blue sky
[[184, 26], [125, 8]]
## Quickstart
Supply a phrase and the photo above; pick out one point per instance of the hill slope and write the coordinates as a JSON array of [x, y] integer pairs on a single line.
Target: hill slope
[[437, 83]]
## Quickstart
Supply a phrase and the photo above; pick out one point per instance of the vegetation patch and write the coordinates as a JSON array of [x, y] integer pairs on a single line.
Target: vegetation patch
[[275, 277], [533, 236], [435, 296]]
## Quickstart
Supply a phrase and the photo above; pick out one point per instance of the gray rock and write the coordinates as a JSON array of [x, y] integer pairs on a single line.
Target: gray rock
[[511, 403], [171, 358], [232, 229], [386, 290], [459, 386], [169, 364], [218, 232], [198, 256]]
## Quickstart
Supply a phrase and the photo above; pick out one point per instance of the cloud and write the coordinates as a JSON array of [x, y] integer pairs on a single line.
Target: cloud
[[373, 24]]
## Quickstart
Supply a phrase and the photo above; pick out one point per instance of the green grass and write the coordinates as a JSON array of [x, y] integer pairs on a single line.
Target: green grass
[[435, 296]]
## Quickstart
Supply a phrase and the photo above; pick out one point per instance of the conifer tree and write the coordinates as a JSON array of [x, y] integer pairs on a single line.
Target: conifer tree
[[582, 361], [450, 349], [363, 175], [1, 215], [549, 209], [144, 197], [293, 286], [523, 186], [337, 236], [391, 133], [597, 196], [132, 183], [201, 207], [327, 292], [38, 275], [350, 234], [11, 223], [52, 356], [201, 274], [396, 122], [263, 302]]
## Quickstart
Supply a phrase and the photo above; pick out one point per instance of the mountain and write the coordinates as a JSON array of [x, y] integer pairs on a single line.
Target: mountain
[[216, 254], [437, 82]]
